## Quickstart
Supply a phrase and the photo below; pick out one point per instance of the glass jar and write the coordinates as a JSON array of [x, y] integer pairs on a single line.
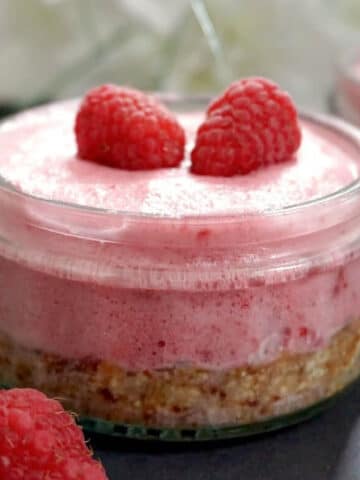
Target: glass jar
[[347, 98], [183, 328]]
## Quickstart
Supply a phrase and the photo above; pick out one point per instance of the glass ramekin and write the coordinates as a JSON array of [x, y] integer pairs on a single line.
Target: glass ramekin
[[186, 328], [347, 93]]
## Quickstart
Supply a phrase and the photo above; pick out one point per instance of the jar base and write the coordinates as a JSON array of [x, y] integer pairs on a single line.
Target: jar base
[[205, 433], [209, 433], [188, 403]]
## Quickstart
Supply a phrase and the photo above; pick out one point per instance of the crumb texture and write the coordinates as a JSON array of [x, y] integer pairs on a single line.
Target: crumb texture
[[188, 396]]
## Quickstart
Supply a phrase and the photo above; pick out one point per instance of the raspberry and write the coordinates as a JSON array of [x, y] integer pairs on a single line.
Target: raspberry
[[251, 125], [39, 440], [124, 128]]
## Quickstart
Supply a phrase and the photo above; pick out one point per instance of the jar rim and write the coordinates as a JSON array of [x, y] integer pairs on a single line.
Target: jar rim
[[185, 252], [346, 193], [345, 66]]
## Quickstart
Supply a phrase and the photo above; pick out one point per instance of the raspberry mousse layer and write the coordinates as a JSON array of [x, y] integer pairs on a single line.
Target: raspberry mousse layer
[[347, 98], [158, 291]]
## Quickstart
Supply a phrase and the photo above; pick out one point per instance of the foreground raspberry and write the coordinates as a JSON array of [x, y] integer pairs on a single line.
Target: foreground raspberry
[[40, 441], [124, 128], [251, 125]]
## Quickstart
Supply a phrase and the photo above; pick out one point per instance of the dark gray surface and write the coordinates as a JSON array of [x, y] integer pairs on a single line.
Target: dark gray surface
[[325, 448]]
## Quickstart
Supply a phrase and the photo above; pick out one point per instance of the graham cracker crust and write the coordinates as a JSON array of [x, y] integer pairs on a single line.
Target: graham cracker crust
[[187, 396]]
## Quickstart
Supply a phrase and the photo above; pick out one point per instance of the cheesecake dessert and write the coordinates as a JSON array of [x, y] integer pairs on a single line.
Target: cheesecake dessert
[[347, 94], [169, 285]]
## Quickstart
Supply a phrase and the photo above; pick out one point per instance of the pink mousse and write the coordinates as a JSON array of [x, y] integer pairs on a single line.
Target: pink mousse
[[38, 155], [348, 91], [74, 305]]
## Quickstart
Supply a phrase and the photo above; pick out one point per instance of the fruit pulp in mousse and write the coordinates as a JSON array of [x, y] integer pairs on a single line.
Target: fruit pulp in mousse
[[143, 327]]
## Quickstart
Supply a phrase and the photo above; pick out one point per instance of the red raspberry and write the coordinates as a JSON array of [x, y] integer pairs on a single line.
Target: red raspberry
[[124, 128], [39, 440], [252, 124]]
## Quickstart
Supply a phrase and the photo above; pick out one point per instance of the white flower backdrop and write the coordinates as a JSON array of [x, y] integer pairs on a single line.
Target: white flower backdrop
[[58, 48]]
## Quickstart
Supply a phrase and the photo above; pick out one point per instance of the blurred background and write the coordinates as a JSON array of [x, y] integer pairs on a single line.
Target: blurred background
[[58, 48]]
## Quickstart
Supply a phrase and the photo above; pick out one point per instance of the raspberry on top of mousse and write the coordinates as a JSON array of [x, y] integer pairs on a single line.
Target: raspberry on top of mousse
[[252, 124], [39, 440], [125, 128]]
